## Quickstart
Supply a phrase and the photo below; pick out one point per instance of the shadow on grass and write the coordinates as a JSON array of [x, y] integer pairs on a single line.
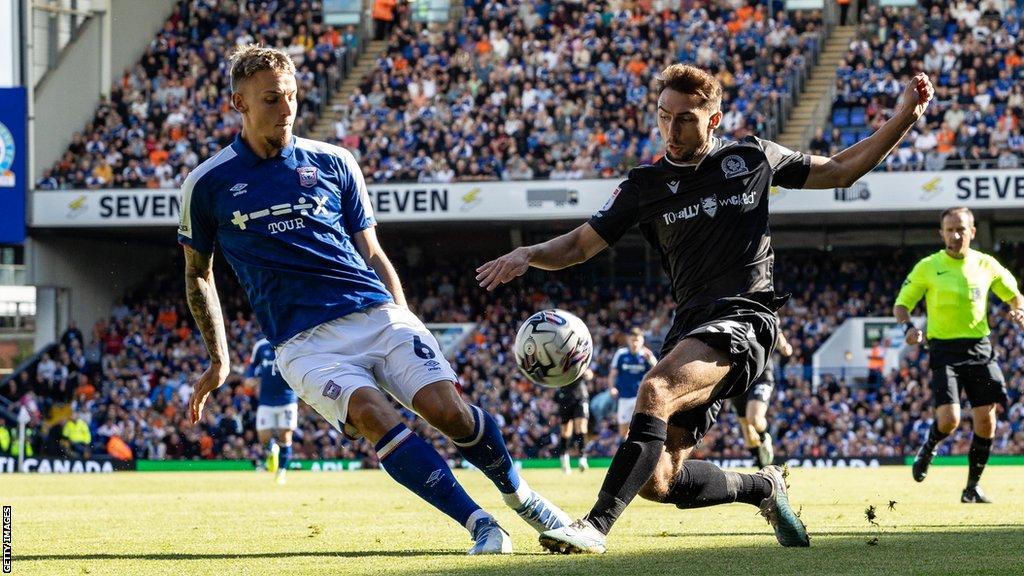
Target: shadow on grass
[[925, 550], [243, 556]]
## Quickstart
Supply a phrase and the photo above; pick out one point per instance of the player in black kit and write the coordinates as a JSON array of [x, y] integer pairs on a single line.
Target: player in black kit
[[704, 208], [752, 409], [574, 411]]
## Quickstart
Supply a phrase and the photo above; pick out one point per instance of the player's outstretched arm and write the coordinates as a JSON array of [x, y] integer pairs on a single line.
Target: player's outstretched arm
[[204, 303], [846, 167], [560, 252], [371, 251]]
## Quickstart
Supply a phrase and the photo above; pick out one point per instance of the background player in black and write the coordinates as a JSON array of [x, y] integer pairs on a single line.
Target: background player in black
[[752, 409], [704, 207], [574, 412]]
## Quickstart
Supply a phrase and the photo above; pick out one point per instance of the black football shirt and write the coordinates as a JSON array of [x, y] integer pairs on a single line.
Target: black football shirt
[[709, 221]]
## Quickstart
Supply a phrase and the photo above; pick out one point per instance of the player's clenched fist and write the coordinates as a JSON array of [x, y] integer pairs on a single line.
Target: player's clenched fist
[[1017, 316], [917, 95]]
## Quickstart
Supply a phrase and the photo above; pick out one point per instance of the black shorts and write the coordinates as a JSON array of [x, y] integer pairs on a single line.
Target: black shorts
[[968, 364], [761, 390], [571, 407], [745, 328]]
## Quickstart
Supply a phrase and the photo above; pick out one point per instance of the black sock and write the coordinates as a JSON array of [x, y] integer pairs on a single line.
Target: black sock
[[563, 446], [977, 458], [577, 440], [755, 451], [935, 437], [701, 484], [631, 468]]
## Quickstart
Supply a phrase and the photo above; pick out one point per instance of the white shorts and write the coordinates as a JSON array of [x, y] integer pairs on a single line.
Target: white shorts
[[386, 347], [624, 413], [284, 417]]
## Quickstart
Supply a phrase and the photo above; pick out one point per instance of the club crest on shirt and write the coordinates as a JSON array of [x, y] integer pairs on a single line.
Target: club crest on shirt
[[332, 390], [710, 205], [307, 176], [610, 201], [733, 166]]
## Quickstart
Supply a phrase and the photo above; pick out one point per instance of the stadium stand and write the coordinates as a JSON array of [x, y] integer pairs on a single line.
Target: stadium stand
[[561, 91], [972, 51], [556, 90], [171, 111], [542, 90], [129, 377]]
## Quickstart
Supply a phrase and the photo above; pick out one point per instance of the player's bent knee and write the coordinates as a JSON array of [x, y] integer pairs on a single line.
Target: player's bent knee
[[655, 391], [371, 414], [947, 425], [760, 424], [441, 406]]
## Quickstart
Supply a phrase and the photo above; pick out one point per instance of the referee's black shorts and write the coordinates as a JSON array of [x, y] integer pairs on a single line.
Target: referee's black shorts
[[745, 328], [966, 364]]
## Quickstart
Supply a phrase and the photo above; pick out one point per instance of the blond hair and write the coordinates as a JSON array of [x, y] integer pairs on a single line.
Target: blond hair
[[247, 60], [692, 80]]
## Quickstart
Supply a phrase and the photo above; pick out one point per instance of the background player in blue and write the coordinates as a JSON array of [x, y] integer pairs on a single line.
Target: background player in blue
[[277, 415], [629, 364], [293, 218]]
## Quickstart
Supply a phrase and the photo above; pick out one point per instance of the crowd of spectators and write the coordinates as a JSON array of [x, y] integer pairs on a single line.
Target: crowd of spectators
[[172, 109], [130, 378], [972, 52], [562, 90], [512, 91]]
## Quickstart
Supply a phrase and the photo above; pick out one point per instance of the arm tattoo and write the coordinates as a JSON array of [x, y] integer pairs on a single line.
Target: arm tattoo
[[205, 304]]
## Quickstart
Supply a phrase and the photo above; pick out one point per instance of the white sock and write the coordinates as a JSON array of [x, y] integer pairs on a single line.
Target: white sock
[[521, 496], [471, 522]]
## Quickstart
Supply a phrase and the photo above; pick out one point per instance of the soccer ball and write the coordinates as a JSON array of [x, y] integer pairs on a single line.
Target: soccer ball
[[553, 348]]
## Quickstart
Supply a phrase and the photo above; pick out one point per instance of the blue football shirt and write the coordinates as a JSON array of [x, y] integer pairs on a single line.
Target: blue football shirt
[[285, 224], [632, 368], [274, 391]]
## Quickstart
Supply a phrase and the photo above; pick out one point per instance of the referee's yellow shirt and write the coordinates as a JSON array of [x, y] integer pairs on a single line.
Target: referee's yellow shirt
[[956, 292]]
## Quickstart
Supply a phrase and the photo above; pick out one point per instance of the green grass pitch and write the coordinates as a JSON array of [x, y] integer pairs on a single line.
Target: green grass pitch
[[363, 523]]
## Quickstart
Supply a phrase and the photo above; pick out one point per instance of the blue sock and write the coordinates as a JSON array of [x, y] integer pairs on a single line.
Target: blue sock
[[416, 465], [485, 448], [286, 456]]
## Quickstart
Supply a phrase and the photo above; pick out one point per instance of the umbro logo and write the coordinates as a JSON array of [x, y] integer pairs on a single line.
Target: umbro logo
[[434, 477], [673, 186], [238, 189]]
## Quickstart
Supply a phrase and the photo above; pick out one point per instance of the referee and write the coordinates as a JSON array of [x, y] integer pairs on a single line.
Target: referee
[[955, 283]]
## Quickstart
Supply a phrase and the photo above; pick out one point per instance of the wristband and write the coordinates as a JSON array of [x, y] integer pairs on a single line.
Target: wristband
[[908, 326]]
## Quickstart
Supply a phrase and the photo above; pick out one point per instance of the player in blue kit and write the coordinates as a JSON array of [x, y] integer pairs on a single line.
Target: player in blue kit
[[293, 218], [629, 365], [277, 415]]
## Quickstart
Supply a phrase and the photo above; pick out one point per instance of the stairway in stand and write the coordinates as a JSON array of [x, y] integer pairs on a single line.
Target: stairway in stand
[[816, 100]]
